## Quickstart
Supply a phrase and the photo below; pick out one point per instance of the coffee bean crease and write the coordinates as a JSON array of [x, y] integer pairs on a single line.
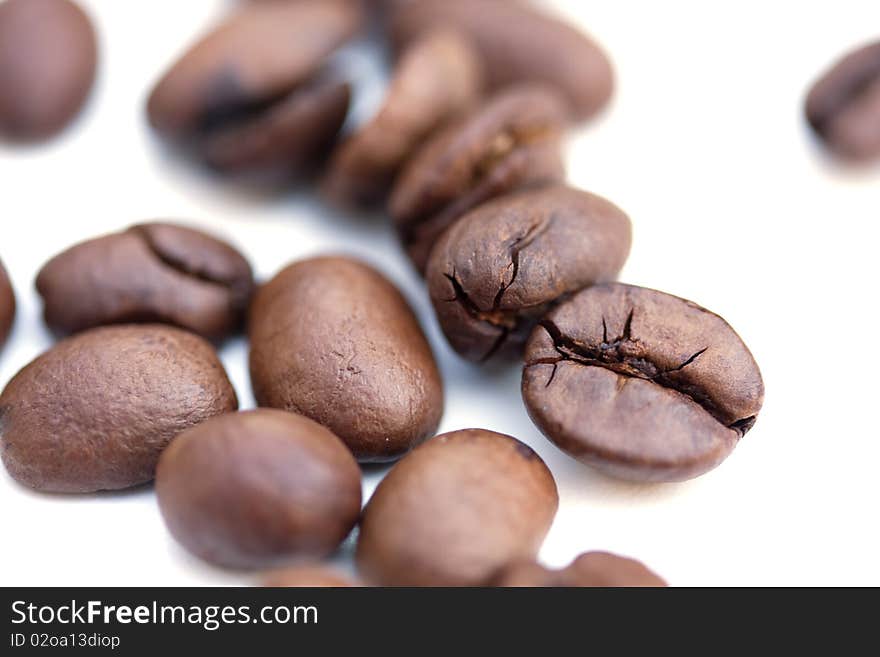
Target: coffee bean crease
[[623, 356]]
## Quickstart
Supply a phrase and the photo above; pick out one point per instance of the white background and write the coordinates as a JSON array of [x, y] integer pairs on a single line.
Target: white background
[[733, 206]]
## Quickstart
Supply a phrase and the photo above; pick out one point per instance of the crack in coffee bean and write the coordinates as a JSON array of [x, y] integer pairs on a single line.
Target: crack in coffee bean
[[660, 388], [512, 260], [611, 355]]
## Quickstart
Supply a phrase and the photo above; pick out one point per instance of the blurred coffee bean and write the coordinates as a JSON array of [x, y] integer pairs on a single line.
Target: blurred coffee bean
[[505, 263], [7, 305], [437, 78], [255, 93], [640, 384], [95, 411], [591, 569], [511, 142], [258, 488], [518, 43], [149, 273], [48, 59], [843, 107], [309, 576], [334, 340], [288, 135], [455, 510]]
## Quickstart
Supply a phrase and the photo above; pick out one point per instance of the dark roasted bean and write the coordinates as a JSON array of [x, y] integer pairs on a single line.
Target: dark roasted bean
[[334, 340], [48, 58], [149, 273], [7, 305], [640, 384], [518, 43], [843, 107], [437, 78], [254, 94], [591, 569], [255, 489], [455, 510], [95, 411], [504, 264], [511, 142]]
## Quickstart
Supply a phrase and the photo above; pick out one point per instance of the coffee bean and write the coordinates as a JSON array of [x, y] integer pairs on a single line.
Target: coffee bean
[[511, 142], [640, 384], [7, 305], [257, 83], [309, 576], [95, 411], [437, 78], [287, 136], [591, 569], [455, 510], [518, 43], [504, 264], [254, 489], [843, 107], [48, 59], [149, 273], [334, 340]]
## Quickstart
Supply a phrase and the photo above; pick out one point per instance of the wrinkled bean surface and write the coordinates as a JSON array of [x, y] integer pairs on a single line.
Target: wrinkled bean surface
[[333, 339], [149, 273], [640, 384], [504, 264], [512, 141], [95, 411]]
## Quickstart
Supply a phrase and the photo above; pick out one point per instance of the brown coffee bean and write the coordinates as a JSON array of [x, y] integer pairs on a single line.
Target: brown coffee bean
[[511, 142], [7, 305], [455, 510], [640, 384], [288, 136], [258, 81], [591, 569], [437, 78], [334, 340], [48, 59], [309, 576], [504, 264], [95, 411], [843, 107], [149, 273], [253, 489], [518, 43]]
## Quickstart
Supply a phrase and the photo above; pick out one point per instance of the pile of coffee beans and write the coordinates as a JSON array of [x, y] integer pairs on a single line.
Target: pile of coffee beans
[[464, 155]]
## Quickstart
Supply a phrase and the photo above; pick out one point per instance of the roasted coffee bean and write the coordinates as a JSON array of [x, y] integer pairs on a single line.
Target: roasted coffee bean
[[254, 489], [149, 273], [48, 58], [455, 510], [309, 576], [518, 43], [334, 340], [288, 136], [7, 305], [437, 78], [504, 264], [591, 569], [640, 384], [843, 107], [511, 142], [254, 93], [95, 411]]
